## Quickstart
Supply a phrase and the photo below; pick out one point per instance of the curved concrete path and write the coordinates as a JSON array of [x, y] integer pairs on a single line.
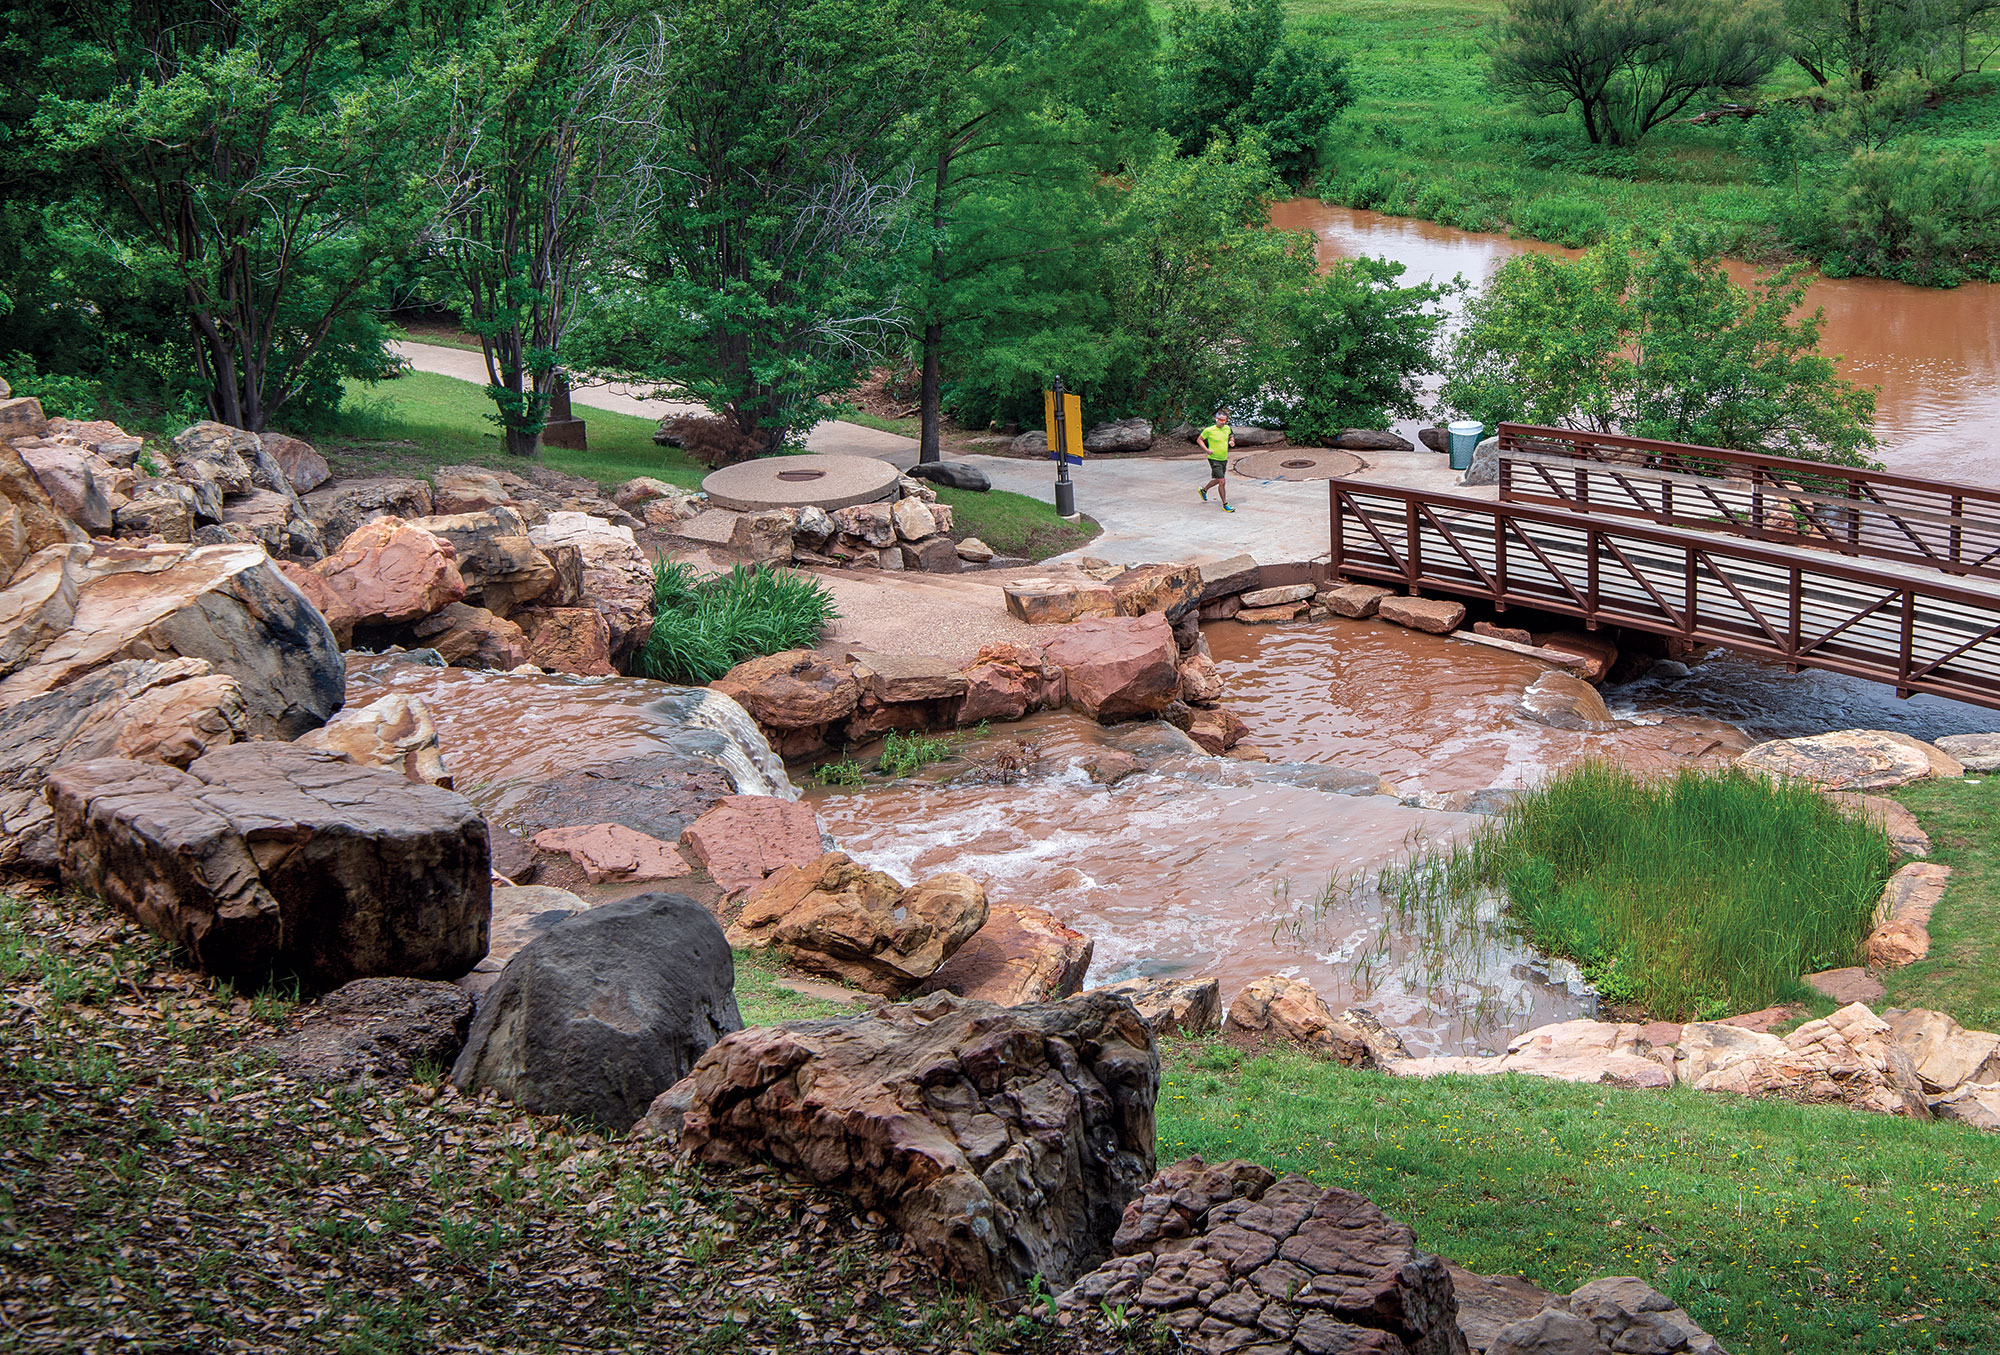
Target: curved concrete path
[[1150, 508]]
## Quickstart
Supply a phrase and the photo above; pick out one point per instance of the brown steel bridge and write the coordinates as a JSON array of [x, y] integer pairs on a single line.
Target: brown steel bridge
[[1887, 577]]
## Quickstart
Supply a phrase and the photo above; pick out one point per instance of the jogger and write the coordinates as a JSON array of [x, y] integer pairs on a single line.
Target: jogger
[[1218, 438]]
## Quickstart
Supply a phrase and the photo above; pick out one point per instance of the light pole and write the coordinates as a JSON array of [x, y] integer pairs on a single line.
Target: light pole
[[1065, 487]]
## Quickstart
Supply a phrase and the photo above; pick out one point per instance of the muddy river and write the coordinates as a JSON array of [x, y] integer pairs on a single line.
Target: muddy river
[[1934, 353]]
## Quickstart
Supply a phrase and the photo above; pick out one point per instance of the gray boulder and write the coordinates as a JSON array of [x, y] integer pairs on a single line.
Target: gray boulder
[[956, 474], [268, 858], [605, 1011], [1372, 440], [338, 508], [1124, 435], [1485, 467], [376, 1029]]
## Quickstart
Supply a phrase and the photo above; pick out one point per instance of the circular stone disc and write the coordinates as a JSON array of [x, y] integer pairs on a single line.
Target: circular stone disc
[[816, 480], [1297, 463]]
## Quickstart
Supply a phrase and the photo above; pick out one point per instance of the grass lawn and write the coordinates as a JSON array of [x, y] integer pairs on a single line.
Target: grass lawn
[[421, 420], [1428, 136], [1811, 1230], [1961, 976]]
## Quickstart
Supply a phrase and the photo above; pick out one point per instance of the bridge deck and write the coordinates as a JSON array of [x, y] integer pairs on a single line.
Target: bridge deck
[[1912, 627]]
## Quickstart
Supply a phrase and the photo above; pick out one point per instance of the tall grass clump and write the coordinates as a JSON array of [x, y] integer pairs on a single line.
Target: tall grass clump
[[1693, 896], [703, 626]]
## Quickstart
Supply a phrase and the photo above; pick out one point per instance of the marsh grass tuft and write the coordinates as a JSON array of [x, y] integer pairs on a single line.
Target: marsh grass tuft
[[1692, 896], [705, 625]]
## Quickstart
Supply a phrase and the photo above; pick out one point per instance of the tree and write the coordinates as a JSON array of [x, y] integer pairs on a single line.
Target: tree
[[253, 155], [542, 153], [1627, 66], [771, 277], [1234, 67], [1865, 42], [1651, 338], [1015, 152], [1192, 278], [1346, 349]]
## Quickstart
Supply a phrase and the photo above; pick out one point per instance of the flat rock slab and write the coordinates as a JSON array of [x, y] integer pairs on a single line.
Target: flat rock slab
[[1434, 616], [819, 480], [1055, 602], [744, 838], [1974, 752], [611, 851], [267, 858], [1357, 600], [1851, 984], [658, 794], [891, 678], [1851, 759]]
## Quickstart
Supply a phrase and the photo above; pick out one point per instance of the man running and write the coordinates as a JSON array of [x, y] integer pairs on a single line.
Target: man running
[[1218, 439]]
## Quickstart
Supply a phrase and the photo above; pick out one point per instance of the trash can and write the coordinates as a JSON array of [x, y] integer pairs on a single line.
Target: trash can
[[1464, 438]]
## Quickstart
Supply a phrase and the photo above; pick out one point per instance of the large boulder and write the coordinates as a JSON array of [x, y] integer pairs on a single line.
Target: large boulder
[[1123, 435], [500, 566], [1281, 1010], [389, 571], [792, 689], [213, 460], [1849, 1057], [1007, 681], [1851, 759], [573, 640], [1564, 702], [1974, 752], [338, 508], [373, 1030], [1183, 1007], [1945, 1054], [1020, 955], [1234, 1260], [1004, 1143], [1372, 440], [1118, 668], [39, 602], [1055, 602], [84, 486], [304, 468], [617, 581], [835, 917], [228, 605], [148, 710], [955, 474], [604, 1011], [267, 858], [1172, 589]]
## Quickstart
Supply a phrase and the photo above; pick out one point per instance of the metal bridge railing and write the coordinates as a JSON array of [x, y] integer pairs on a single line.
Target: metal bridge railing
[[1805, 608], [1871, 515]]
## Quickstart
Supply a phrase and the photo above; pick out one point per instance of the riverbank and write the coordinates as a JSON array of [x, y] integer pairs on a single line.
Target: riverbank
[[147, 1150], [1428, 136]]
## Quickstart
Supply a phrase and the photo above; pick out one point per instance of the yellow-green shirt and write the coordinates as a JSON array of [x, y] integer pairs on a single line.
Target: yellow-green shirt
[[1217, 439]]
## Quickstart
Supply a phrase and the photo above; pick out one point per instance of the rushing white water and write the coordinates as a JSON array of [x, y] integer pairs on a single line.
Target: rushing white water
[[733, 742]]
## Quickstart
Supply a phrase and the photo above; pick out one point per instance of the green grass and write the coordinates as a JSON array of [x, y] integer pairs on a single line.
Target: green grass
[[703, 626], [1809, 1230], [1014, 524], [1428, 136], [421, 420], [762, 1001], [1961, 975], [1693, 896], [903, 753]]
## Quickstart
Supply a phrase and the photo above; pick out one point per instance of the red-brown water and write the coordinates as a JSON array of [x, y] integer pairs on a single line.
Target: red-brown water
[[1934, 353]]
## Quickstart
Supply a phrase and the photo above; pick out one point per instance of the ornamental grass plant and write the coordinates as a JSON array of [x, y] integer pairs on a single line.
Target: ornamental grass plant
[[1693, 896], [704, 625]]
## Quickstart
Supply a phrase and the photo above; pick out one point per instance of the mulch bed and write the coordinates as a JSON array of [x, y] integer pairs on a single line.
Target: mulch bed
[[164, 1186]]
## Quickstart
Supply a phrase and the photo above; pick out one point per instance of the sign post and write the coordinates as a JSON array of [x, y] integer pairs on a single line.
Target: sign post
[[1065, 421]]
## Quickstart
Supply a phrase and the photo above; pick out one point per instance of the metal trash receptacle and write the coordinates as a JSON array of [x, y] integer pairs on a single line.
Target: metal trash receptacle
[[1465, 436]]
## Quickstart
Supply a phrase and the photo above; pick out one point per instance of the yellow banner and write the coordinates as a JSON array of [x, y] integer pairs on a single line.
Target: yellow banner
[[1072, 425]]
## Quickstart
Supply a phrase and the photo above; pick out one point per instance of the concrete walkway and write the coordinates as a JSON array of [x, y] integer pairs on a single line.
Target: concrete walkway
[[1150, 508]]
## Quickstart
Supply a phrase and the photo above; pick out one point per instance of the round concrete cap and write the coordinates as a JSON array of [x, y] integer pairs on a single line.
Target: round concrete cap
[[818, 480], [1297, 463]]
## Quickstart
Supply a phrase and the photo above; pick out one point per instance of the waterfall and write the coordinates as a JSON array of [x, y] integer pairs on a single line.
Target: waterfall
[[712, 726]]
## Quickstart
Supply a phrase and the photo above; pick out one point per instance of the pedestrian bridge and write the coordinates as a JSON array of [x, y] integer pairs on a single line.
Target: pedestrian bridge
[[1886, 577]]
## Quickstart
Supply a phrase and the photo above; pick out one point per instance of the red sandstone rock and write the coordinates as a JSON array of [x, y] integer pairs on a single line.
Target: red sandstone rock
[[1272, 615], [572, 640], [1052, 602], [339, 612], [1200, 682], [611, 851], [472, 637], [795, 689], [1358, 600], [746, 837], [1435, 616], [1172, 589], [1512, 634], [388, 571], [1006, 681], [1597, 649], [1118, 668], [1021, 955], [1217, 729], [1279, 1010]]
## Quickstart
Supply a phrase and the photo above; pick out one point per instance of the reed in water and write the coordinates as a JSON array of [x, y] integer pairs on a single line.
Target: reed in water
[[1693, 896]]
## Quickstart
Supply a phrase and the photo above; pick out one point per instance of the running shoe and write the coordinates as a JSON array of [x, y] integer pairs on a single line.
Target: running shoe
[[1227, 509], [1204, 493]]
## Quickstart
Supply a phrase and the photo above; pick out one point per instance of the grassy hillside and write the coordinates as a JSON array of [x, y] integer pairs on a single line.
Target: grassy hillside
[[1427, 136]]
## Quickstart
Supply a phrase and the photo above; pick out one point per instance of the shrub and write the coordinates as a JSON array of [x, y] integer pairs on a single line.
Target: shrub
[[1924, 215], [68, 397], [1693, 896], [710, 440], [1570, 222], [705, 626]]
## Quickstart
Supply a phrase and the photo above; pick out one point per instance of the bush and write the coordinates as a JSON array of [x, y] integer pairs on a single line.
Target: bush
[[67, 397], [1928, 216], [705, 626], [1695, 896], [710, 440], [1570, 222]]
